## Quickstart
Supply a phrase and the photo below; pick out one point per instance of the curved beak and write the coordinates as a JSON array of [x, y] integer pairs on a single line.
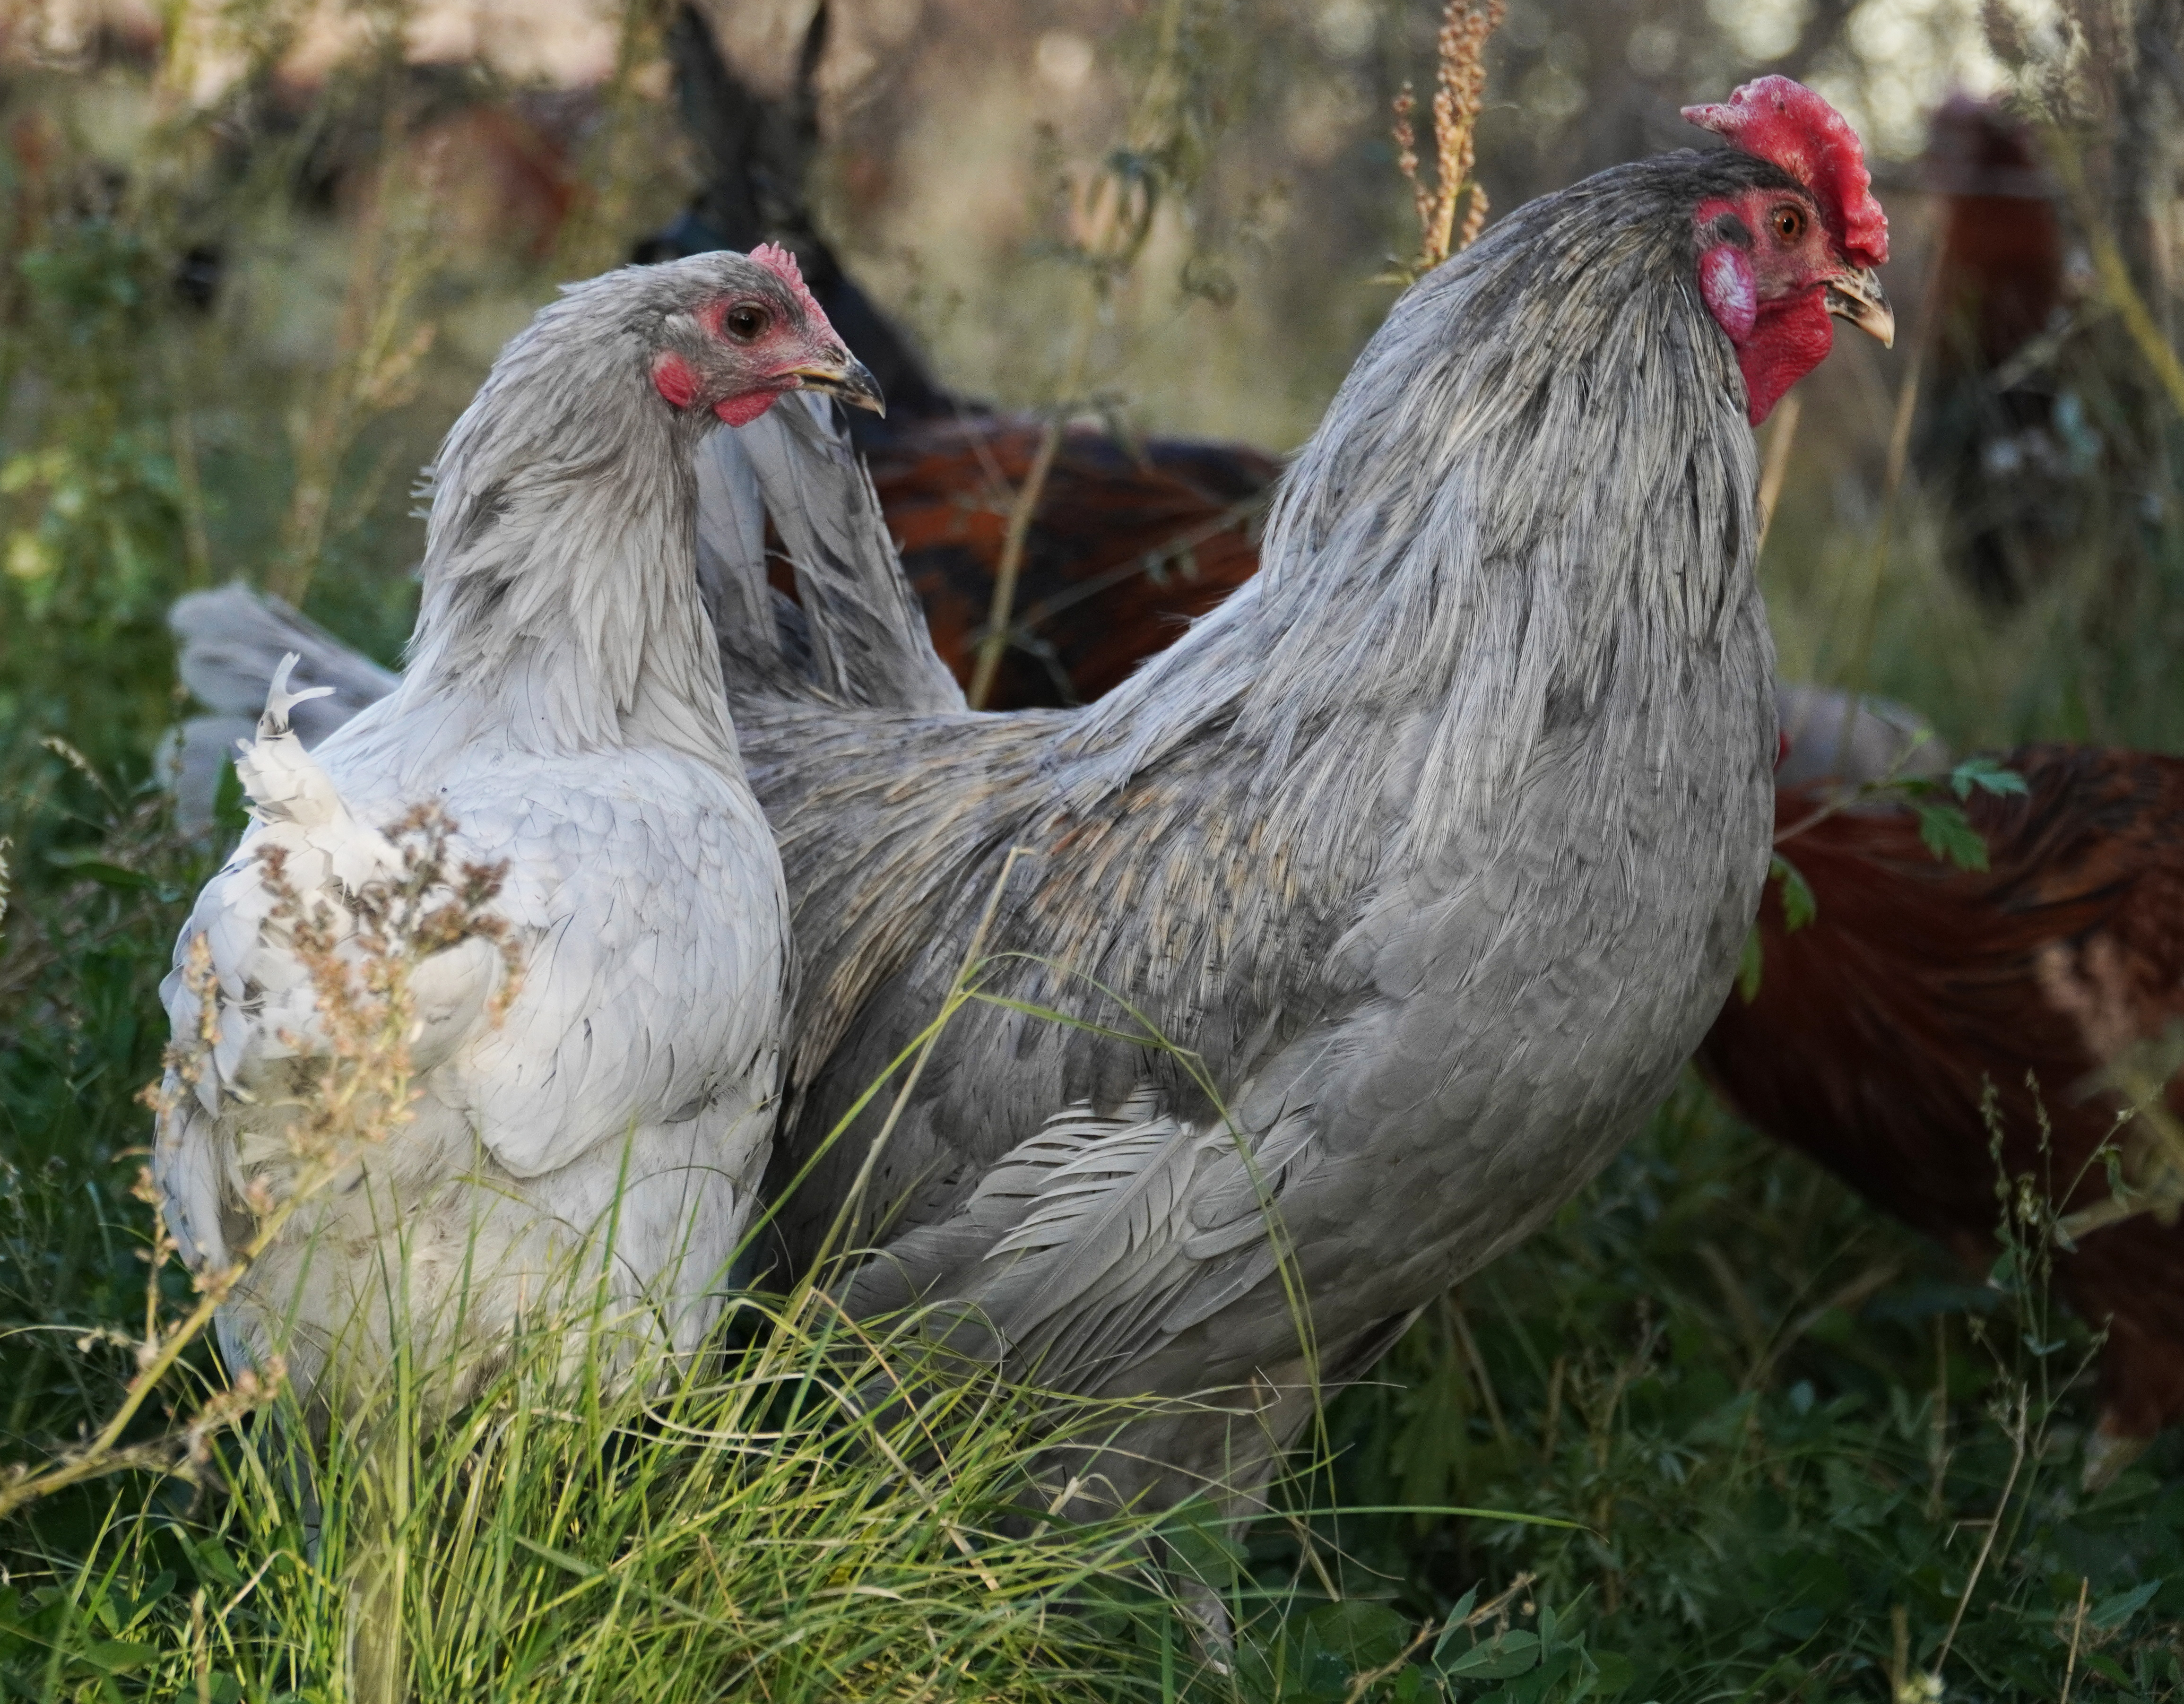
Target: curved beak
[[1858, 297], [850, 379]]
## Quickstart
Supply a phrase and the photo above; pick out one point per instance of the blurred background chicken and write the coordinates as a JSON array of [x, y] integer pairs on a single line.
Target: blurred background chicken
[[1128, 539], [1941, 1037], [1999, 442]]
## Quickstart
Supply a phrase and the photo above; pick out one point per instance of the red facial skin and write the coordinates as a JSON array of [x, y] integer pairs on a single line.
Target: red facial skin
[[672, 378], [744, 410], [678, 385], [1769, 298], [1774, 119]]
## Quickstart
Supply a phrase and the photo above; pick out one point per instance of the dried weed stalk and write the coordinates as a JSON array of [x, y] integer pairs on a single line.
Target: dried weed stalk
[[361, 967], [361, 975], [2102, 84], [1106, 219], [1459, 94], [622, 153]]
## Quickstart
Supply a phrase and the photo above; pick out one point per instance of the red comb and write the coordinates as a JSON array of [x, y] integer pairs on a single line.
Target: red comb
[[1785, 123], [782, 264]]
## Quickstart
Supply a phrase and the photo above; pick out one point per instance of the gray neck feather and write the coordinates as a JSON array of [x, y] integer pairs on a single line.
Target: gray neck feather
[[1540, 460], [561, 567]]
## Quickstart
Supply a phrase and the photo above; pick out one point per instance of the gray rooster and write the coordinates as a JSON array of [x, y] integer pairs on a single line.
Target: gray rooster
[[1427, 856]]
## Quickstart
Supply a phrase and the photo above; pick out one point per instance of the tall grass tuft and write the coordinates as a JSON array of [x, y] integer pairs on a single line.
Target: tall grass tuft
[[811, 1515]]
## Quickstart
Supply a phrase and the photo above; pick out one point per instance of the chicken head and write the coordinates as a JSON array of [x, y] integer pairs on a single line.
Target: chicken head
[[740, 351], [1778, 264]]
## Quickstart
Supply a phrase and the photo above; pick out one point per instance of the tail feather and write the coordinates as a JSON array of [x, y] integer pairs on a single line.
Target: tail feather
[[230, 643], [232, 640], [869, 645], [1838, 736]]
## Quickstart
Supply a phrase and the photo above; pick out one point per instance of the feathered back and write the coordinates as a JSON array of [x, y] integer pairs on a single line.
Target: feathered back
[[1522, 542], [1878, 1027]]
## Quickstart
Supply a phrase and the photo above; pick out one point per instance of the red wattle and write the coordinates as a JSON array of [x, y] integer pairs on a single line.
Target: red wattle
[[742, 410], [1788, 340]]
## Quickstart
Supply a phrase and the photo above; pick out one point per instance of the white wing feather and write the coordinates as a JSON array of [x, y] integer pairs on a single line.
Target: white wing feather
[[631, 1086]]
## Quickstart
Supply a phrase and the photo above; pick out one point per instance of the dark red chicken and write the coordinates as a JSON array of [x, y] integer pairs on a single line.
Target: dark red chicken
[[1124, 547], [1879, 1026]]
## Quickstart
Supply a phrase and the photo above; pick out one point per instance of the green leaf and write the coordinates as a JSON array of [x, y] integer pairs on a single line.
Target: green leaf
[[1200, 1544], [1616, 1673], [1747, 966], [1799, 907], [1950, 837], [115, 1656], [2113, 1612], [1452, 1635], [1313, 1672], [95, 868], [1987, 776], [1512, 1653], [1366, 1634]]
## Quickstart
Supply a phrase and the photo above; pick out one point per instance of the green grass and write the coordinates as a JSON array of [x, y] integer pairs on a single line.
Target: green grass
[[1782, 1420], [747, 1531], [1776, 1420]]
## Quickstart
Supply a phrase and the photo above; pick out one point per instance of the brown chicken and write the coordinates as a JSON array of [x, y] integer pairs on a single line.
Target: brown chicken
[[1919, 988], [1124, 547]]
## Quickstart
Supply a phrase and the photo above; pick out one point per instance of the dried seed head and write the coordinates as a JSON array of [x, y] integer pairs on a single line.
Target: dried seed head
[[1459, 97]]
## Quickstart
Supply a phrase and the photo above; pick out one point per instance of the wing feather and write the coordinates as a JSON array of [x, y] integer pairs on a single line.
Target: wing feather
[[1093, 1242]]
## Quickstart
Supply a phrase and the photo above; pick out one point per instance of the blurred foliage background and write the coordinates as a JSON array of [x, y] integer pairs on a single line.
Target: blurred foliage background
[[255, 255]]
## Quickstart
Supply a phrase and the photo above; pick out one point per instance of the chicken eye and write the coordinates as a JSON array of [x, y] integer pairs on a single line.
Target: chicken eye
[[745, 322], [1789, 223]]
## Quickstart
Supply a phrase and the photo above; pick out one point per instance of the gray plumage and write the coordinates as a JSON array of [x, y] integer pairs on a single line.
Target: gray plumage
[[229, 642], [856, 629], [1434, 847], [563, 710]]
